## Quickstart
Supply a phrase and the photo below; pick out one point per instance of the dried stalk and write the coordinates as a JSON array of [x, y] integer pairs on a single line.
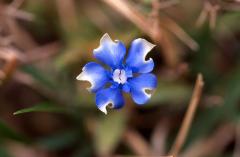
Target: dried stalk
[[180, 33], [18, 35], [211, 10], [41, 53], [167, 4], [159, 137], [197, 92], [10, 65], [139, 156], [212, 145], [137, 143], [213, 16], [68, 14], [16, 3], [236, 152]]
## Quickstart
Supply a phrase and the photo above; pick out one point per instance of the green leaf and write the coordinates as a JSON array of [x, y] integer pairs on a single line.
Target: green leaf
[[109, 131], [39, 76], [7, 132], [42, 107], [83, 151], [169, 92], [3, 152], [60, 140]]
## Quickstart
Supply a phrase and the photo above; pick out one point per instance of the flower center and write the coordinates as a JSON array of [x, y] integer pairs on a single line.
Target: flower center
[[119, 76]]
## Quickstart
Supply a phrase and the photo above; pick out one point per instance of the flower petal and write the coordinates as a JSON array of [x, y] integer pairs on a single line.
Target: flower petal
[[108, 96], [137, 54], [139, 85], [109, 52], [95, 74]]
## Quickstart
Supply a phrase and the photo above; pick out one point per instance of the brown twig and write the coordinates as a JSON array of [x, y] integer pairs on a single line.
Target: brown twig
[[188, 118]]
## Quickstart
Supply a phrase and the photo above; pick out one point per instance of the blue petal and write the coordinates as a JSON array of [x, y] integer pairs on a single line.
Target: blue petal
[[95, 74], [109, 52], [139, 85], [126, 87], [137, 54], [108, 96]]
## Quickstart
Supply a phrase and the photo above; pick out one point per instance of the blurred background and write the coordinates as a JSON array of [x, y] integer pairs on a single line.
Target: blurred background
[[46, 112]]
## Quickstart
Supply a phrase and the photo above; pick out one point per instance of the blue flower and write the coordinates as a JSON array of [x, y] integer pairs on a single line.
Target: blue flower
[[131, 75]]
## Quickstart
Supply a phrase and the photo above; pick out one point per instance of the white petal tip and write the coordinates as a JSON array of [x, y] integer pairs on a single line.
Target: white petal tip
[[105, 37], [79, 77], [103, 109], [83, 76], [146, 43], [150, 45]]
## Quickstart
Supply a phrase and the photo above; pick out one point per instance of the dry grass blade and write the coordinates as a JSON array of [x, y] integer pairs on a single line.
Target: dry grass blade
[[230, 6], [19, 14], [213, 16], [137, 143], [20, 36], [102, 21], [42, 53], [130, 13], [237, 143], [16, 3], [211, 10], [159, 137], [68, 14], [202, 18], [10, 64], [197, 92], [169, 3], [180, 33], [139, 156], [142, 22]]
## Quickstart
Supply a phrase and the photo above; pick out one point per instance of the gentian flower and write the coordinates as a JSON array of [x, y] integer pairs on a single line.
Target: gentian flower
[[131, 75]]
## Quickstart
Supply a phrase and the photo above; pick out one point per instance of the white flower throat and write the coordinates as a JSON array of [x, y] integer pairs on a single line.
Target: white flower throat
[[119, 76]]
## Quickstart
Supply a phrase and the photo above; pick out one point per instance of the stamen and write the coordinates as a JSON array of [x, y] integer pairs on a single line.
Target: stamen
[[119, 76]]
